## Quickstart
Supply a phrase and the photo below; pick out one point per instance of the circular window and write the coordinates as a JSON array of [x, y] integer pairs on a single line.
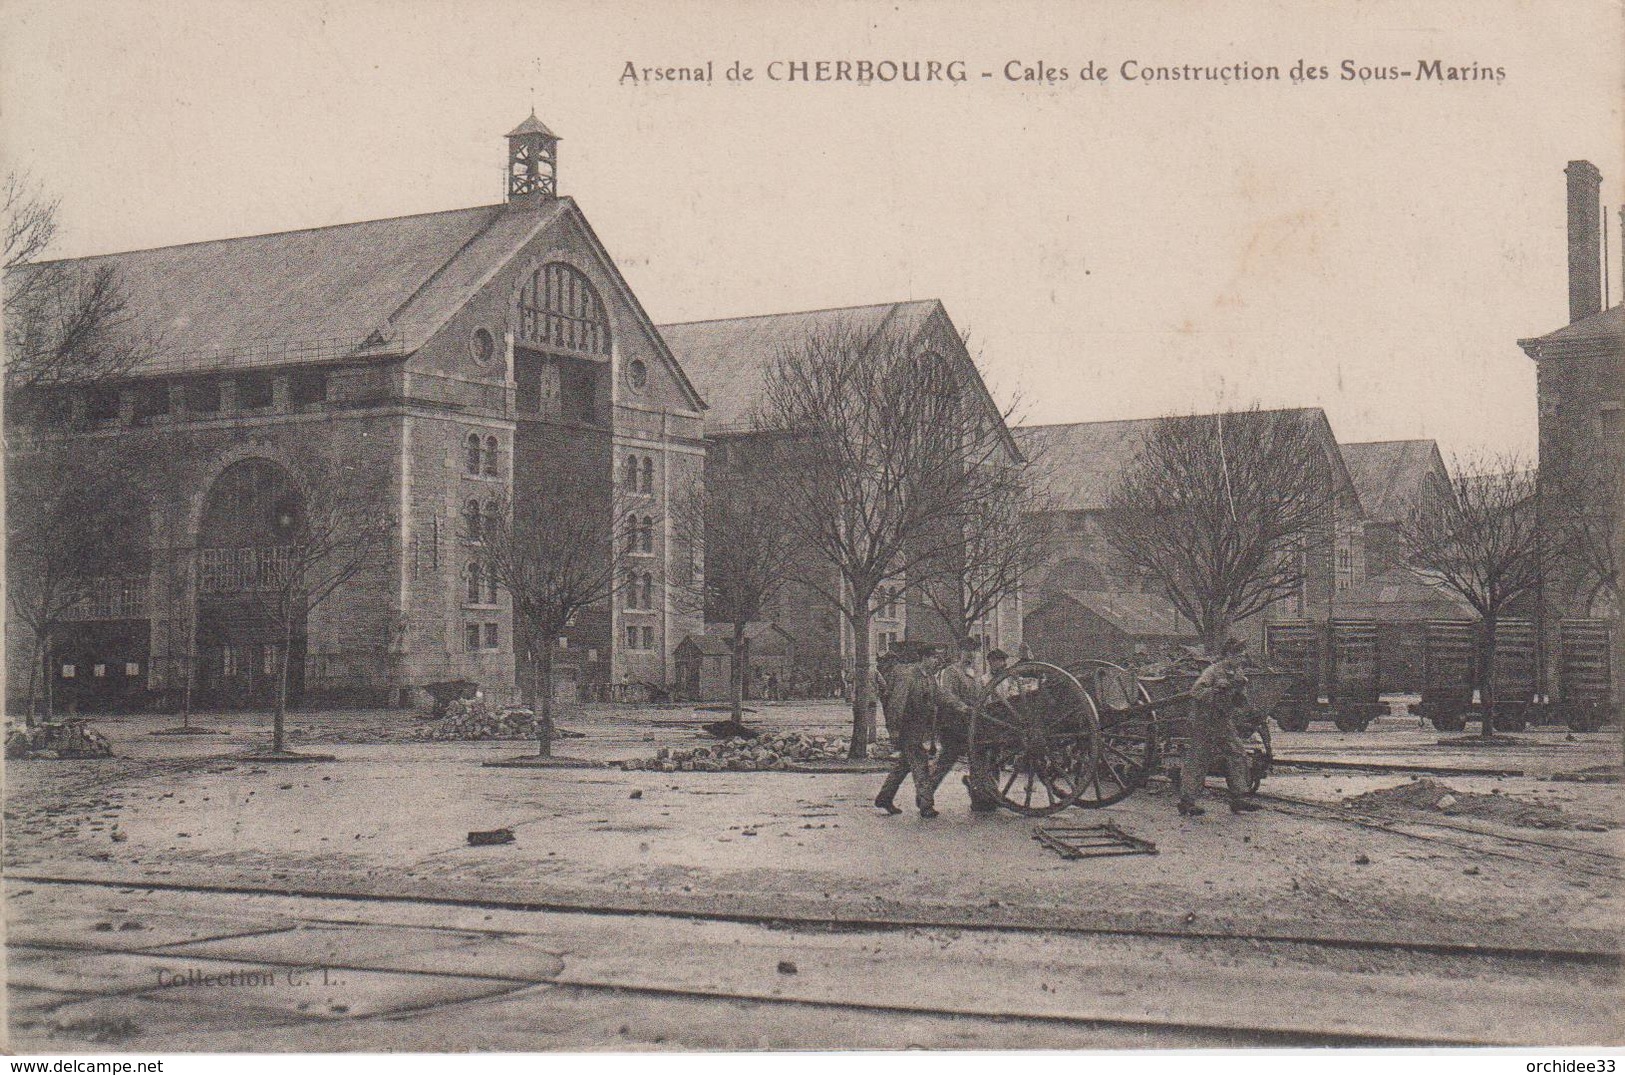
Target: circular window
[[482, 345], [637, 373]]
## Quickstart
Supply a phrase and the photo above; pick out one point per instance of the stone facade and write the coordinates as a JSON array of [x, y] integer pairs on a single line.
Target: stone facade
[[1580, 389], [425, 408]]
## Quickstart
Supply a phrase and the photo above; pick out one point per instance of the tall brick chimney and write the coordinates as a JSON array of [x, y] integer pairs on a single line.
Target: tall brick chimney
[[1585, 239]]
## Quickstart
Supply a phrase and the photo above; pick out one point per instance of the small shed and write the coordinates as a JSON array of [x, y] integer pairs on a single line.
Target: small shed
[[1110, 626], [705, 662]]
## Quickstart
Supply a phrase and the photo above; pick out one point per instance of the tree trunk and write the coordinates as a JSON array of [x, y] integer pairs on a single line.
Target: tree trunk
[[1486, 677], [279, 719], [863, 703], [186, 691], [48, 686], [544, 698], [740, 669], [39, 671]]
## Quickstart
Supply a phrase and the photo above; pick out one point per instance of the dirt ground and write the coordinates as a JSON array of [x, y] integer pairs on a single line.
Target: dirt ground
[[119, 868], [394, 816]]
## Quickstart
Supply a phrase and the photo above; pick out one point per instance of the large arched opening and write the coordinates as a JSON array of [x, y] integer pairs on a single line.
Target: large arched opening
[[250, 515]]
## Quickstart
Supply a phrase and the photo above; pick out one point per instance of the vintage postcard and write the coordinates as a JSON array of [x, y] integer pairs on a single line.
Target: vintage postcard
[[552, 527]]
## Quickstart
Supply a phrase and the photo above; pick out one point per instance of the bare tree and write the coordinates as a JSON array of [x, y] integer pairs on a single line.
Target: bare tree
[[748, 550], [1002, 535], [77, 524], [1217, 508], [1583, 503], [67, 322], [1484, 544], [877, 449], [557, 558], [333, 534]]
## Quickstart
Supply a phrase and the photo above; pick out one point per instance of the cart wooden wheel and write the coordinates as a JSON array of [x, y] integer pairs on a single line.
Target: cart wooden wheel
[[1034, 741], [1130, 732]]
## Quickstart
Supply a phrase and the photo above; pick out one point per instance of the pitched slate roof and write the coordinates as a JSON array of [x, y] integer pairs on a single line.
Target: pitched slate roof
[[315, 293], [1604, 326], [1079, 463], [1391, 475], [1137, 614], [728, 359]]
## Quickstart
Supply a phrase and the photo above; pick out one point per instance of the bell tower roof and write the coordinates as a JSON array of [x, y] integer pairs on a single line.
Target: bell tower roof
[[532, 125]]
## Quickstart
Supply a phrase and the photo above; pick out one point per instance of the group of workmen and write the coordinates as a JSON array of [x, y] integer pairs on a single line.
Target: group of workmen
[[926, 696]]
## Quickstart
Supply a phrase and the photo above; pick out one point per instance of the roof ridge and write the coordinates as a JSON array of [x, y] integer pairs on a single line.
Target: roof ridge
[[796, 313], [1161, 417], [263, 235]]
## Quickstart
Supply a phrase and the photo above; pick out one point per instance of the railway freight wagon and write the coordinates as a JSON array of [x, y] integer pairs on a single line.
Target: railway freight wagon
[[1585, 680], [1448, 667], [1335, 670], [1450, 673], [1514, 672]]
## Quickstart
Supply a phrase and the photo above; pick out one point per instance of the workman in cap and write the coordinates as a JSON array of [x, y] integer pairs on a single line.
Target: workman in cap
[[964, 683], [1218, 696], [912, 702]]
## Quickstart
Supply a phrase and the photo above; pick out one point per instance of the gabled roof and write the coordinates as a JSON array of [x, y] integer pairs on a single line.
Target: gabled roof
[[380, 286], [1080, 462], [765, 638], [1137, 614], [1391, 475], [729, 358], [1604, 326]]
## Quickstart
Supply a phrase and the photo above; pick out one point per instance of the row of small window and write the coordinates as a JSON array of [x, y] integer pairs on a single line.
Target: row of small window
[[640, 534], [478, 636], [482, 586], [640, 592], [481, 456], [99, 671], [640, 638], [638, 474], [197, 395]]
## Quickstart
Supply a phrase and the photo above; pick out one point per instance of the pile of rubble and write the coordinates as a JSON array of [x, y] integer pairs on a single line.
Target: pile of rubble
[[1433, 796], [476, 718], [765, 752], [65, 739]]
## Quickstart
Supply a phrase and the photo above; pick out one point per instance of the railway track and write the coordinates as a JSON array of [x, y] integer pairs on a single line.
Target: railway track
[[876, 922], [1202, 1025], [1593, 863]]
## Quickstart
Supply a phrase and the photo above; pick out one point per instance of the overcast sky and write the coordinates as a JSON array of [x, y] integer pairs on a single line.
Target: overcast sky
[[1113, 251]]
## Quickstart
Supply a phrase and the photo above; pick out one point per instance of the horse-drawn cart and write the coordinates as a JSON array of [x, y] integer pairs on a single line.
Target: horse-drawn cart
[[1046, 737]]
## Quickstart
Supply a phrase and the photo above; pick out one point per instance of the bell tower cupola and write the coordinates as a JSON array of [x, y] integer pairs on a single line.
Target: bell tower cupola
[[533, 161]]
